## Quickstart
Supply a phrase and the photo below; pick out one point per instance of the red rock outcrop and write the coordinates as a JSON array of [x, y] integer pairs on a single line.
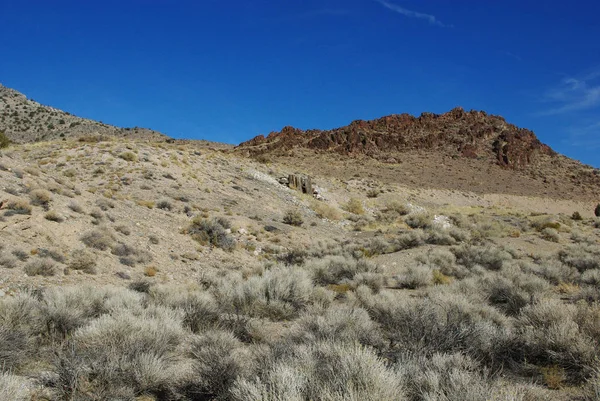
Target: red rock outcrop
[[472, 134]]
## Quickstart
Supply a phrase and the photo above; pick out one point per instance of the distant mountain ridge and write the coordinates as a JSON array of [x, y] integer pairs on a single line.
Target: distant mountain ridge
[[459, 133], [24, 120]]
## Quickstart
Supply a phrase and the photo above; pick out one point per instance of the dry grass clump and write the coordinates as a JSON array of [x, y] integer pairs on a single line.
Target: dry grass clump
[[40, 267], [293, 218], [53, 215], [83, 260], [19, 206], [129, 156], [215, 231], [99, 239], [354, 206], [76, 207], [40, 197], [325, 211]]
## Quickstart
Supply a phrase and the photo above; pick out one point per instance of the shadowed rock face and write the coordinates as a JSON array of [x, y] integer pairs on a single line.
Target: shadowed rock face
[[473, 134]]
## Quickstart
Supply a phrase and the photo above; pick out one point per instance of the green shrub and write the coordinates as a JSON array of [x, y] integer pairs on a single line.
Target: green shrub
[[597, 210], [213, 232], [4, 141], [293, 218]]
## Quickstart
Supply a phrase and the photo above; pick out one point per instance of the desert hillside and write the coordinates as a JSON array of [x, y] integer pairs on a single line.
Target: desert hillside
[[456, 150], [136, 268], [25, 120]]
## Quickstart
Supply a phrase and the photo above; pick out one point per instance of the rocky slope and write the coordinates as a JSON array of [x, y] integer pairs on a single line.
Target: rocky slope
[[473, 134], [24, 120]]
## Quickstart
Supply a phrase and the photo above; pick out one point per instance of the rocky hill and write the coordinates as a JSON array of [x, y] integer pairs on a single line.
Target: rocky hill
[[466, 150], [24, 120], [472, 134]]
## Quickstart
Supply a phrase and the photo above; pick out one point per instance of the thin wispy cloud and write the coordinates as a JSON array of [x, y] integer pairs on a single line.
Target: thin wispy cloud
[[412, 14], [574, 94]]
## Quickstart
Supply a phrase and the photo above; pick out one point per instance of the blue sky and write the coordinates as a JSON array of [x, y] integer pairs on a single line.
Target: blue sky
[[229, 70]]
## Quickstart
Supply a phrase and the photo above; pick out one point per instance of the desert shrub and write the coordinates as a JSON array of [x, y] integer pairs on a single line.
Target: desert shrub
[[373, 193], [597, 210], [324, 370], [98, 239], [576, 216], [337, 323], [7, 261], [415, 277], [551, 333], [374, 281], [339, 269], [354, 206], [40, 267], [53, 215], [14, 345], [551, 270], [19, 206], [13, 387], [293, 218], [280, 293], [550, 234], [105, 204], [444, 377], [591, 277], [294, 257], [40, 197], [123, 229], [510, 296], [49, 253], [545, 222], [487, 257], [445, 322], [129, 255], [20, 254], [200, 309], [97, 214], [125, 353], [439, 236], [219, 358], [582, 257], [164, 204], [443, 261], [76, 207], [408, 240], [4, 141], [325, 211], [377, 246], [392, 212], [83, 260], [213, 231], [418, 220]]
